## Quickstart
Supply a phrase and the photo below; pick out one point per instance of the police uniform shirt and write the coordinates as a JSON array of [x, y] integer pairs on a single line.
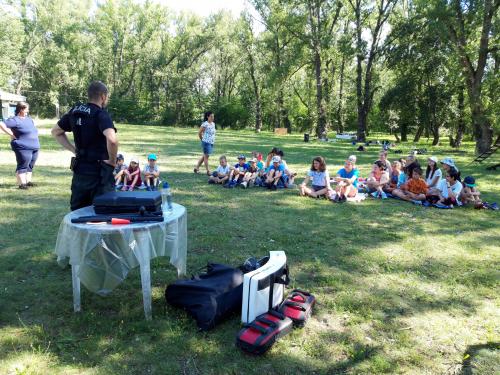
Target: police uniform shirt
[[88, 122]]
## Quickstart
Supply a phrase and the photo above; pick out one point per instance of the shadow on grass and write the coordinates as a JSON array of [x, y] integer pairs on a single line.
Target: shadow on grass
[[481, 359], [333, 250]]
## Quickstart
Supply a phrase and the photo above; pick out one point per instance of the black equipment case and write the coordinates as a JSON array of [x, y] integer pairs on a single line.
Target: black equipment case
[[115, 202], [209, 297]]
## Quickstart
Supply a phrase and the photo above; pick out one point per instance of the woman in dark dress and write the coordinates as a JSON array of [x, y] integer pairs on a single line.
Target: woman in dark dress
[[24, 142]]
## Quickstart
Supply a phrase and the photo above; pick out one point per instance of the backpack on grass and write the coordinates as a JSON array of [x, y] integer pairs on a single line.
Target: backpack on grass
[[209, 297]]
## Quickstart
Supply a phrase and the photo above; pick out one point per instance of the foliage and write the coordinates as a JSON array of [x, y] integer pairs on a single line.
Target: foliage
[[308, 65]]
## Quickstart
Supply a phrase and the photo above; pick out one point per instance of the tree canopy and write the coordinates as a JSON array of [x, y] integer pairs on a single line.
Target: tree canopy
[[420, 68]]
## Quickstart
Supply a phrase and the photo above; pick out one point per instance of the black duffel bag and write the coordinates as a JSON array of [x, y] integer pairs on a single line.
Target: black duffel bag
[[209, 297]]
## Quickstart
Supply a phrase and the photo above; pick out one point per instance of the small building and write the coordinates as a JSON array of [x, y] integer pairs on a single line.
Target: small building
[[8, 102]]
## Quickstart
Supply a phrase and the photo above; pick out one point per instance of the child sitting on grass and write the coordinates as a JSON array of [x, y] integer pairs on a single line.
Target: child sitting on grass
[[221, 174], [449, 189], [377, 179], [133, 178], [257, 155], [120, 171], [289, 175], [238, 172], [470, 194], [320, 180], [414, 190], [433, 173], [347, 181], [275, 174], [393, 177], [251, 175], [151, 173]]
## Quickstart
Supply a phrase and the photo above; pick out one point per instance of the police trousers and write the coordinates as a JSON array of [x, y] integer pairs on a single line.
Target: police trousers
[[85, 187]]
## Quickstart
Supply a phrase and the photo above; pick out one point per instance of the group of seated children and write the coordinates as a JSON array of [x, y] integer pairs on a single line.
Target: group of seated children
[[273, 173], [128, 178], [403, 179]]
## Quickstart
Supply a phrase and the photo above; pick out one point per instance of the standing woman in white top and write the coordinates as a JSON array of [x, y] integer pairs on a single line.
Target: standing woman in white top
[[207, 138]]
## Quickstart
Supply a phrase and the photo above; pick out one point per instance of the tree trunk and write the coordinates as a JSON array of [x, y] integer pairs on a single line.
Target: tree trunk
[[340, 120], [361, 134], [258, 110], [457, 142], [483, 131], [258, 114], [419, 133], [404, 133], [435, 133], [321, 130]]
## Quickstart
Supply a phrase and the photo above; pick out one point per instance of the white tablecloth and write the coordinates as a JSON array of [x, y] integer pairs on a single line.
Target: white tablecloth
[[105, 253]]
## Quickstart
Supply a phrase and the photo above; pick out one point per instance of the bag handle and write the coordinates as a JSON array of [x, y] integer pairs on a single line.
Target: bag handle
[[286, 273], [277, 314], [301, 292], [295, 304], [257, 327], [270, 323]]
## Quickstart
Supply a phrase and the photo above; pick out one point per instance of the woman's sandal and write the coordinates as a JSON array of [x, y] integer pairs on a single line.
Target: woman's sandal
[[196, 170], [208, 173]]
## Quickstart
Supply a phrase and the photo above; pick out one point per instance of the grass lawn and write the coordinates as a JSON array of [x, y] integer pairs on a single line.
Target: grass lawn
[[400, 288]]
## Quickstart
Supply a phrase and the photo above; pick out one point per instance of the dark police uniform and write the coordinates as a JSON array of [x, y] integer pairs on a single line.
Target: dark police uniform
[[91, 176]]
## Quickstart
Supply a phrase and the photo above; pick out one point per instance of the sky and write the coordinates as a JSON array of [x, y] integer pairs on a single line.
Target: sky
[[205, 7]]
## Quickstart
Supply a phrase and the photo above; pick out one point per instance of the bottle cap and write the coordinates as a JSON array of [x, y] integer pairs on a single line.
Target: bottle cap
[[166, 185]]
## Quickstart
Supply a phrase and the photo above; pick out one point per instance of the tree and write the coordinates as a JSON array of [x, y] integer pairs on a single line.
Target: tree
[[469, 26], [367, 57], [248, 43]]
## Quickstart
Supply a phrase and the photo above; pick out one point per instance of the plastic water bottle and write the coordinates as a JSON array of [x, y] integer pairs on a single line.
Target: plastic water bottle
[[166, 197]]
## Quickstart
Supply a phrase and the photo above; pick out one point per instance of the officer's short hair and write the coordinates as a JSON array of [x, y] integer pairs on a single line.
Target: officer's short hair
[[96, 89]]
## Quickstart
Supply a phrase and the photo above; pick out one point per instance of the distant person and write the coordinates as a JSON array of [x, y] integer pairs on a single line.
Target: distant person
[[415, 189], [237, 172], [275, 174], [449, 164], [393, 177], [347, 181], [24, 142], [470, 194], [120, 172], [207, 138], [133, 178], [382, 156], [377, 180], [151, 173], [221, 174], [433, 173], [409, 164], [274, 151], [251, 175], [289, 175], [95, 147], [320, 179], [449, 189]]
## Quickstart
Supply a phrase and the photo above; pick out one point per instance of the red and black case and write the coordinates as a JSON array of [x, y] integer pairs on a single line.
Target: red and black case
[[298, 307], [258, 336]]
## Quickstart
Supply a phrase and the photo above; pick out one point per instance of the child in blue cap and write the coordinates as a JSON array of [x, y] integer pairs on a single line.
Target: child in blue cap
[[151, 173], [469, 193]]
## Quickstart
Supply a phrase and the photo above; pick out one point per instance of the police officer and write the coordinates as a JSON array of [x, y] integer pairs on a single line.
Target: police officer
[[95, 147]]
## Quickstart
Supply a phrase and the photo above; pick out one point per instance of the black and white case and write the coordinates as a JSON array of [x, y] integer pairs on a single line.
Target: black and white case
[[264, 288]]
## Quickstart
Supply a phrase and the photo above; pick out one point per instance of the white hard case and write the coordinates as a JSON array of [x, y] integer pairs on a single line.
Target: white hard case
[[255, 301]]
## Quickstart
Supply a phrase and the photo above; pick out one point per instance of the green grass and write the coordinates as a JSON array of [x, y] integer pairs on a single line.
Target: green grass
[[400, 288]]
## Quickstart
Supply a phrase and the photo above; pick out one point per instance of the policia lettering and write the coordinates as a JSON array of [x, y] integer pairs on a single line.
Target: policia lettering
[[95, 146]]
